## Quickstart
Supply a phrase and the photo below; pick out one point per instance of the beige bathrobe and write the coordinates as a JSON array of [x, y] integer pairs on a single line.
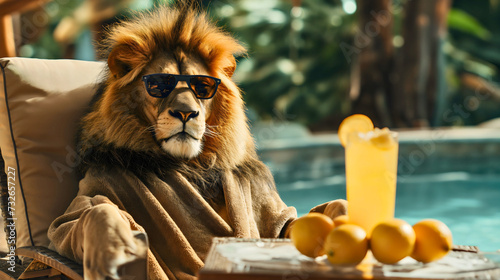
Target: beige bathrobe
[[179, 222]]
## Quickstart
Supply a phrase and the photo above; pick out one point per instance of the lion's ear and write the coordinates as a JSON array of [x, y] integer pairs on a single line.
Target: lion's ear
[[127, 58], [230, 66]]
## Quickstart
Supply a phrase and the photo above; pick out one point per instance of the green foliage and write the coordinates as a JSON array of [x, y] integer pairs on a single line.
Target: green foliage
[[44, 45], [462, 21], [295, 66], [294, 62], [472, 49]]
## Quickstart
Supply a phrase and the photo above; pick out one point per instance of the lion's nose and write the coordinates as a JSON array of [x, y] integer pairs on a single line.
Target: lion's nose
[[184, 116]]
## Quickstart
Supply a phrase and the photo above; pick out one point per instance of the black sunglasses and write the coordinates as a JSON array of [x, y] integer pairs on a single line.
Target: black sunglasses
[[161, 85]]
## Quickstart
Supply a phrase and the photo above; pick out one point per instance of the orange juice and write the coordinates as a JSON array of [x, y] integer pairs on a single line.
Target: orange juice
[[371, 169]]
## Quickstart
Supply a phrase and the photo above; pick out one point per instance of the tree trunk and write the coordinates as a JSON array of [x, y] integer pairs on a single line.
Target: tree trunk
[[371, 88], [420, 90]]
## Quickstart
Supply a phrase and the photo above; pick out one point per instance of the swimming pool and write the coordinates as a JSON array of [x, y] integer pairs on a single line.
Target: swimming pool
[[452, 176]]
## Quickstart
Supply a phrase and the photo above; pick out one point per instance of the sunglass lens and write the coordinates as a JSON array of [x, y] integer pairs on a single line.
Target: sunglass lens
[[160, 85], [204, 87]]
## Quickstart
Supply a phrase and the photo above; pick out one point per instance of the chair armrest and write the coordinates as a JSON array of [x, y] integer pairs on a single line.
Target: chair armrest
[[44, 255], [136, 269], [9, 271]]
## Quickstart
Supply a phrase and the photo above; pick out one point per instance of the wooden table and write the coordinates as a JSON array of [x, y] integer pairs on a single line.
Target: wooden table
[[277, 259]]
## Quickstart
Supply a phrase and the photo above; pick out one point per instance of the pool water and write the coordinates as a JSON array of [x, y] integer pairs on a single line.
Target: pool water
[[468, 204]]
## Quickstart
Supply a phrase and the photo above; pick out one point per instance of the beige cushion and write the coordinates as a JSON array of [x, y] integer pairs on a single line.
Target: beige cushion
[[40, 104]]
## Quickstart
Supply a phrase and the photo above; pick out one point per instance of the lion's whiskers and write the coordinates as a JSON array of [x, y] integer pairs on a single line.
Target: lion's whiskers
[[209, 132], [150, 128], [211, 126], [147, 130]]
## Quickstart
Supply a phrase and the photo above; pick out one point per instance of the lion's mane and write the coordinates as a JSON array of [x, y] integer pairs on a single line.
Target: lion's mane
[[116, 132]]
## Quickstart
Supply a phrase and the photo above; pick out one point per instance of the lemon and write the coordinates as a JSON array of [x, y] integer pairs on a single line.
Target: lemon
[[354, 123], [346, 245], [309, 232], [433, 240], [336, 208], [341, 220], [383, 138], [392, 240]]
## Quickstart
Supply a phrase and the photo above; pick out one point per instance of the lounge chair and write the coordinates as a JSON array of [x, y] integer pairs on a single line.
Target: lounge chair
[[41, 102]]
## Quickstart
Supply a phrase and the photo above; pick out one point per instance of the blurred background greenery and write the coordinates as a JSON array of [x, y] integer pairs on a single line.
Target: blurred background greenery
[[315, 62]]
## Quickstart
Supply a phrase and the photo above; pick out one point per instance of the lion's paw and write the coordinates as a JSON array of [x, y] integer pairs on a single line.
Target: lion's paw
[[109, 243]]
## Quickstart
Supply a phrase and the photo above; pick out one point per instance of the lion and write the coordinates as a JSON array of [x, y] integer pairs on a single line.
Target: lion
[[166, 149]]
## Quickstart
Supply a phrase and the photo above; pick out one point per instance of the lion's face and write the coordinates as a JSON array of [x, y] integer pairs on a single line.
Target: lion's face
[[179, 120], [206, 132]]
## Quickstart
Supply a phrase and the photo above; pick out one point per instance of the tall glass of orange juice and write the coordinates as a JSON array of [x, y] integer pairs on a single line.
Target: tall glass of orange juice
[[371, 169]]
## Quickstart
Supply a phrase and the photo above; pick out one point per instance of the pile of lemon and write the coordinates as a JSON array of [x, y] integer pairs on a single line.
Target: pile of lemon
[[345, 243]]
